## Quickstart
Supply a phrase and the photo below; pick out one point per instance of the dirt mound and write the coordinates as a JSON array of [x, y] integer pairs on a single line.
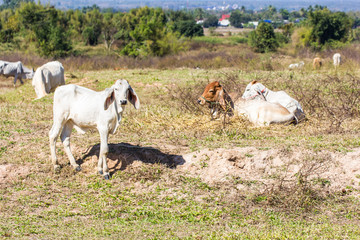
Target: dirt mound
[[247, 167], [258, 168]]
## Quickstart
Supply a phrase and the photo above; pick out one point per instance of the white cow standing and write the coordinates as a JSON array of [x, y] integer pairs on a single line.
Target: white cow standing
[[337, 59], [255, 90], [16, 70], [85, 109], [47, 78]]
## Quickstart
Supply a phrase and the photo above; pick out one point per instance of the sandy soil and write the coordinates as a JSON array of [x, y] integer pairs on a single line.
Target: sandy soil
[[265, 167]]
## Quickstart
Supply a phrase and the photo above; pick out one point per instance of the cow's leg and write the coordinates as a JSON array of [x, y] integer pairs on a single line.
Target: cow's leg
[[15, 79], [53, 135], [65, 138], [21, 81], [104, 149]]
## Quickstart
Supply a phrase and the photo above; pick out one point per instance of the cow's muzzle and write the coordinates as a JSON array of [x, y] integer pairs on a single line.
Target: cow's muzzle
[[123, 102]]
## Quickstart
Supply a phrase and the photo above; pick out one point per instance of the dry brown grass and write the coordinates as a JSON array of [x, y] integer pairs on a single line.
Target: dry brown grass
[[148, 196]]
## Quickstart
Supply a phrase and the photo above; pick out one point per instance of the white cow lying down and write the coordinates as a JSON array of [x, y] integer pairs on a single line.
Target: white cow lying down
[[85, 109], [260, 113], [256, 89], [296, 65], [47, 78]]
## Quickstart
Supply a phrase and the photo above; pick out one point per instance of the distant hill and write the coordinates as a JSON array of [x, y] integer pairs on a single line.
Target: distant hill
[[339, 5]]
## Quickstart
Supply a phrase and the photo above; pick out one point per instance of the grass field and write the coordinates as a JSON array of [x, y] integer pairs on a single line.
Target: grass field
[[154, 195]]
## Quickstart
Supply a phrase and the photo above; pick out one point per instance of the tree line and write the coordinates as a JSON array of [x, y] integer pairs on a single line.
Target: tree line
[[140, 32], [145, 31]]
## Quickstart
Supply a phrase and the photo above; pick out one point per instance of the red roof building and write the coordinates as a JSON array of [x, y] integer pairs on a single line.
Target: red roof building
[[224, 16]]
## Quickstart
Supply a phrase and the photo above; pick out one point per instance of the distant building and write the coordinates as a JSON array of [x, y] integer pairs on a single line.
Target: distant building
[[200, 22], [254, 23], [224, 20]]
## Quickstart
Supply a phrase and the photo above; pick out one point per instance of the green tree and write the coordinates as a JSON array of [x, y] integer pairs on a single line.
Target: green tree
[[109, 29], [211, 21], [287, 31], [269, 12], [236, 19], [328, 27], [9, 25], [77, 22], [189, 28], [199, 13], [184, 23], [263, 39], [49, 26], [144, 33], [93, 26], [284, 13]]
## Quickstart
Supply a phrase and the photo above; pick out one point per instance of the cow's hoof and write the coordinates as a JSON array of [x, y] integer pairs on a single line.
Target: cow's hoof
[[78, 168], [57, 168], [107, 177], [101, 172]]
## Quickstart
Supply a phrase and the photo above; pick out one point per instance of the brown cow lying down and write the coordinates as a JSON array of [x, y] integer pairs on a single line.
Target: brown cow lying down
[[259, 112]]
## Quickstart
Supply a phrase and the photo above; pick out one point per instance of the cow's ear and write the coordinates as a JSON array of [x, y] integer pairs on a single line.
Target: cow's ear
[[109, 98], [133, 98], [253, 82]]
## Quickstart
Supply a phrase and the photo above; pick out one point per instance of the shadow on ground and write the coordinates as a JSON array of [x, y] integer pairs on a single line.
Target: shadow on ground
[[123, 154]]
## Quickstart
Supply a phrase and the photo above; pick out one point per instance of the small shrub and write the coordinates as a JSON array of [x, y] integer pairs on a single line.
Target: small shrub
[[263, 39]]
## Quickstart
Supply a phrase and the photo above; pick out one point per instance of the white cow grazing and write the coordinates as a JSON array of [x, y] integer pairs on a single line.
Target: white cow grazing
[[16, 70], [85, 109], [337, 59], [256, 89], [47, 78], [296, 65]]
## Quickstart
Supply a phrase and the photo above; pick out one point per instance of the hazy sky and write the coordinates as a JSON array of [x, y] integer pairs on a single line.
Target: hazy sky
[[340, 5]]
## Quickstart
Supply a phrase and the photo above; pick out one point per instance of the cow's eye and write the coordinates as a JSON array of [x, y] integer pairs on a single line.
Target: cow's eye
[[211, 91], [247, 89]]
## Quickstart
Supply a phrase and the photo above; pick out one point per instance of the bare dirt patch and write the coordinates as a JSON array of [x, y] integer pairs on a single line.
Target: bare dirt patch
[[270, 168], [12, 172], [246, 168]]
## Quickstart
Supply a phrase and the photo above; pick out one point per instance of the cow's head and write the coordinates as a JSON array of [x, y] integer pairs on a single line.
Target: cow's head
[[29, 74], [215, 95], [254, 90], [121, 92]]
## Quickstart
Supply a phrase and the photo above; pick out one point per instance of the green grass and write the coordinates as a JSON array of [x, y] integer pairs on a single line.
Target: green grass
[[214, 40]]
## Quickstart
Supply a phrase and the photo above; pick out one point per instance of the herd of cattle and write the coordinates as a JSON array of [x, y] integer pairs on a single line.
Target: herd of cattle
[[44, 80], [83, 109], [318, 62]]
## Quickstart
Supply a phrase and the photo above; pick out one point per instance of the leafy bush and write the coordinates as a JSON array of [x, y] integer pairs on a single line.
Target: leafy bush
[[49, 26], [236, 19], [189, 28], [211, 21], [263, 39], [6, 35], [89, 36], [145, 34], [328, 27], [301, 37]]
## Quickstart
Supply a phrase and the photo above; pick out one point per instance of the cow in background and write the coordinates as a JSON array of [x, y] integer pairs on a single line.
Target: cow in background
[[16, 70]]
